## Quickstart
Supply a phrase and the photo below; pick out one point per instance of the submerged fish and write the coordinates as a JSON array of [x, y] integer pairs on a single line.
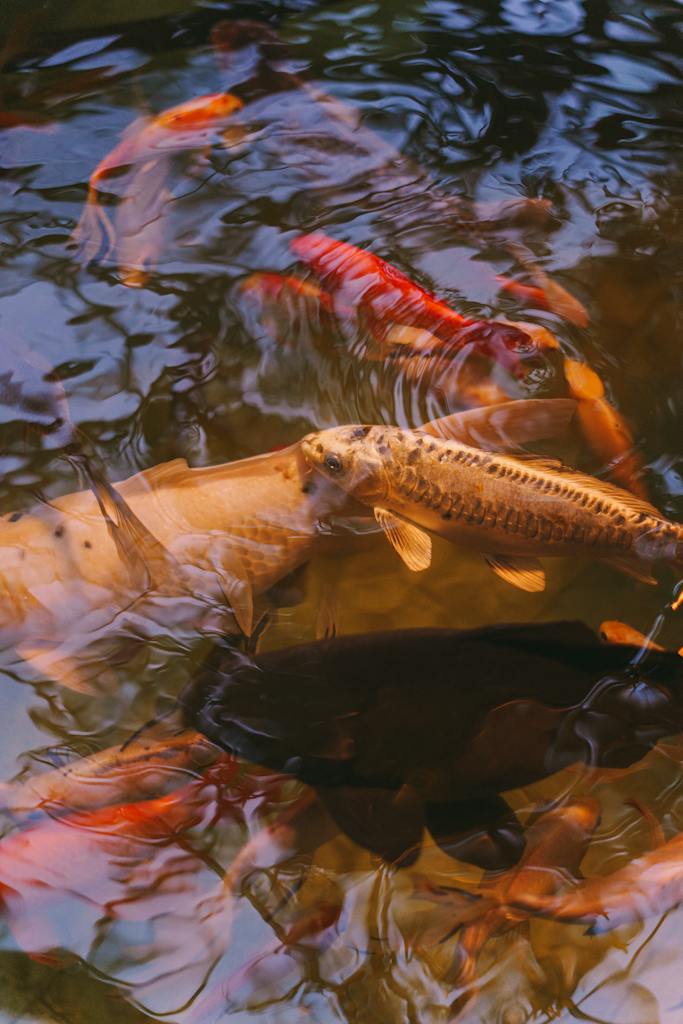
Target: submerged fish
[[399, 729], [387, 297], [604, 428], [224, 535], [556, 843], [512, 508], [146, 145], [212, 541], [143, 768], [67, 881], [546, 293], [651, 884]]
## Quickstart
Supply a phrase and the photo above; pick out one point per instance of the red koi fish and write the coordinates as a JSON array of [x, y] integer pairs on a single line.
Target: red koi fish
[[147, 142], [386, 295]]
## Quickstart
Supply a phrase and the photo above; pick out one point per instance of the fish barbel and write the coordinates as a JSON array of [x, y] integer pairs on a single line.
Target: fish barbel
[[512, 508]]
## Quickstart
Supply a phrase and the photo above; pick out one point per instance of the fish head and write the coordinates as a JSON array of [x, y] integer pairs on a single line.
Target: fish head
[[349, 457]]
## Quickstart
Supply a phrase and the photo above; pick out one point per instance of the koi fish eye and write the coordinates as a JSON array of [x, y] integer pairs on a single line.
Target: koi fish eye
[[333, 463]]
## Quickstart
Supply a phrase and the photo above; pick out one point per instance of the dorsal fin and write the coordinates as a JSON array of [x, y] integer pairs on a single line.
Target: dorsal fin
[[506, 426], [631, 501], [164, 475]]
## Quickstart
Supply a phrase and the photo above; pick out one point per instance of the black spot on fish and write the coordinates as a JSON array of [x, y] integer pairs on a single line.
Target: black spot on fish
[[491, 468], [87, 544], [15, 517], [447, 515], [359, 433], [308, 488], [413, 456], [59, 532]]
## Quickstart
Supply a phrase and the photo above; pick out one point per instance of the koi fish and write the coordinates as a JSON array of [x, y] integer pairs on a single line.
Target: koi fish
[[511, 508], [555, 846], [651, 884], [386, 295], [546, 293], [146, 144], [319, 711], [614, 632], [216, 539], [224, 535], [604, 428]]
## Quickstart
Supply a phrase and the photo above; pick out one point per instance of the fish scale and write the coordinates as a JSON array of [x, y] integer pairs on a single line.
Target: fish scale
[[511, 507]]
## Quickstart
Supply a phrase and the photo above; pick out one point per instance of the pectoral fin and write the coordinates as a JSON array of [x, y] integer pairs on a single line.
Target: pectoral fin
[[145, 557], [525, 573], [413, 545], [240, 597], [632, 568]]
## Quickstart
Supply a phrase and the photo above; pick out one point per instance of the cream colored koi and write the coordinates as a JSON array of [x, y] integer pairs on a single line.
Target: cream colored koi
[[511, 508], [214, 538]]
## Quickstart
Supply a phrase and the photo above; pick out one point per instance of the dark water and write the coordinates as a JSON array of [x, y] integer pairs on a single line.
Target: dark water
[[575, 103]]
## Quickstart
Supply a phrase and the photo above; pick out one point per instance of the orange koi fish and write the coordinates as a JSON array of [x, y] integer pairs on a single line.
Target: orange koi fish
[[147, 142], [280, 287], [385, 294], [614, 632], [546, 293], [555, 846], [651, 884], [604, 428]]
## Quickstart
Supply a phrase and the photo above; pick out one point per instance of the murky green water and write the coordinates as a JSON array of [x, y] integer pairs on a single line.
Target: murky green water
[[577, 103]]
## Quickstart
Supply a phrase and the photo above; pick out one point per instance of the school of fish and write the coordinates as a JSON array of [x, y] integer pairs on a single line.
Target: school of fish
[[204, 550]]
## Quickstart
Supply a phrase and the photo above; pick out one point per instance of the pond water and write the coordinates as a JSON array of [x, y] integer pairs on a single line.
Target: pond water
[[381, 125]]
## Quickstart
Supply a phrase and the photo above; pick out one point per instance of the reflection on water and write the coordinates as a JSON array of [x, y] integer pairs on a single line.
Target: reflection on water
[[490, 153]]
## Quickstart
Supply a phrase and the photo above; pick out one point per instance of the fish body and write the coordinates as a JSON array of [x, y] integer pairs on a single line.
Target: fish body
[[387, 297], [604, 428], [505, 506], [226, 534], [454, 716], [555, 846], [649, 885], [146, 767], [137, 231], [65, 881]]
